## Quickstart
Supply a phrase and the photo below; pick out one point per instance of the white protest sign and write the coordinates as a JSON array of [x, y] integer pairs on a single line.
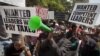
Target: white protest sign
[[51, 15], [15, 19], [85, 14]]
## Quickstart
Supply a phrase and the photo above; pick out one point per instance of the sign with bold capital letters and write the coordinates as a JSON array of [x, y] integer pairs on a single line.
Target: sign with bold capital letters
[[85, 14], [15, 19]]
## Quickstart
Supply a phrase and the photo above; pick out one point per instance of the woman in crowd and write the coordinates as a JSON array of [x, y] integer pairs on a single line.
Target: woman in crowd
[[17, 47]]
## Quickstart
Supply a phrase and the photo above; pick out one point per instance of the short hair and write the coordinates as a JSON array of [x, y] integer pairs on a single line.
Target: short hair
[[73, 26], [15, 36]]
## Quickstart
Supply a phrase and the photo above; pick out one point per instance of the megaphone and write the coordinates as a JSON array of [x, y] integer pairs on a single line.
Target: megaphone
[[35, 23]]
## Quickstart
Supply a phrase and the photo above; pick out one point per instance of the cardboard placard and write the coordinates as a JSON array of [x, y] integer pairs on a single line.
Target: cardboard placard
[[85, 14], [15, 19]]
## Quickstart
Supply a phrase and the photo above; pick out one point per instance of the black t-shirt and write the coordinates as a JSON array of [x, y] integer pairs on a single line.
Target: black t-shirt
[[11, 51], [69, 34]]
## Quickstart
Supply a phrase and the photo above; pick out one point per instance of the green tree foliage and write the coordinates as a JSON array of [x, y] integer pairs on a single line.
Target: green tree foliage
[[56, 5]]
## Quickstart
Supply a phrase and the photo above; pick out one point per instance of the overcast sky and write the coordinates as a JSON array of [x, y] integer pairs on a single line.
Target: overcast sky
[[94, 1]]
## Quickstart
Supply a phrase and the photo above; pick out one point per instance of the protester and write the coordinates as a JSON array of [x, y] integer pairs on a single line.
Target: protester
[[31, 41], [96, 37], [88, 45], [17, 47], [63, 44], [53, 44], [61, 41], [44, 47], [70, 32], [4, 40]]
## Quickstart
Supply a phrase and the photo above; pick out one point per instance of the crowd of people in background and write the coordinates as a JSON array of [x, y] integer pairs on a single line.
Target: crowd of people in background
[[66, 39]]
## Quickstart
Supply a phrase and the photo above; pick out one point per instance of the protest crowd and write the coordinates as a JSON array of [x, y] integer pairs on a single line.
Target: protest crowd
[[66, 39]]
